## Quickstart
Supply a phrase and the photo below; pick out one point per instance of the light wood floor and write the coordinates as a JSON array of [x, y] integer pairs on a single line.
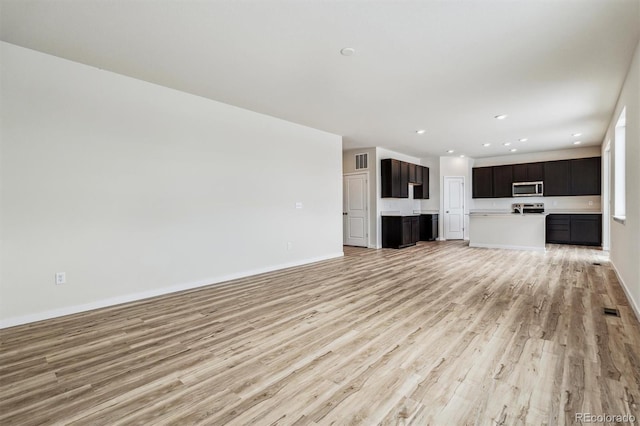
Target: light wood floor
[[438, 334]]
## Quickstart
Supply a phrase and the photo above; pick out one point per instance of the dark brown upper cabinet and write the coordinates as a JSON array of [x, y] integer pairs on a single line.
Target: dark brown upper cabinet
[[421, 191], [585, 176], [579, 176], [528, 172], [390, 178], [412, 173], [425, 183], [502, 181], [557, 178], [404, 179], [419, 174], [395, 178], [482, 182]]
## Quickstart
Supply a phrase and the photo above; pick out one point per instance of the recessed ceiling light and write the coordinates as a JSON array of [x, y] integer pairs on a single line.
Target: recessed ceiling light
[[421, 131], [513, 150], [577, 142], [450, 151], [486, 144], [462, 156], [575, 135], [347, 51], [500, 117], [523, 140], [506, 143]]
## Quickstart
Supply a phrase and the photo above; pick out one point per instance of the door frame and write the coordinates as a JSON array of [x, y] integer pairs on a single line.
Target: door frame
[[464, 206], [367, 203]]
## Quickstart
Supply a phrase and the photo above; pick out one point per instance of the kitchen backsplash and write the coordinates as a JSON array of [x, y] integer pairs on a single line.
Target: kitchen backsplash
[[591, 202], [399, 205]]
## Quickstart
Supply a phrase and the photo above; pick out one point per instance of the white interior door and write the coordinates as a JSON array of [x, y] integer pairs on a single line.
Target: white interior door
[[453, 208], [355, 210]]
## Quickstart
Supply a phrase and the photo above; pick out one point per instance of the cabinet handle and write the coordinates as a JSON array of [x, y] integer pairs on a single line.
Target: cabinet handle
[[344, 214]]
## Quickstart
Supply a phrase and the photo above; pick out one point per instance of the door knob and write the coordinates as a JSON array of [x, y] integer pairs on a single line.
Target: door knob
[[447, 211]]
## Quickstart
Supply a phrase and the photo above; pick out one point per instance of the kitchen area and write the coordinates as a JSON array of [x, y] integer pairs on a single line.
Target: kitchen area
[[518, 202], [522, 206], [534, 219]]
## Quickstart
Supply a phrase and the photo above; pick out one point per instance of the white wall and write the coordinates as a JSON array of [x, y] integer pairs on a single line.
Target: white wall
[[561, 154], [349, 166], [625, 237], [134, 189]]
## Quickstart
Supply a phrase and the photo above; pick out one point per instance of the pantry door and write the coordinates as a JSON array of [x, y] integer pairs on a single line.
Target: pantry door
[[453, 207]]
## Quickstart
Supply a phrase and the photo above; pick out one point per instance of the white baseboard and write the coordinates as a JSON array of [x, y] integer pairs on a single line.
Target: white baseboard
[[634, 306], [104, 303]]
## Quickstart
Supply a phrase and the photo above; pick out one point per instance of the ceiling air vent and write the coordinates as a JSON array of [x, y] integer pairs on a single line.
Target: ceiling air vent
[[362, 161]]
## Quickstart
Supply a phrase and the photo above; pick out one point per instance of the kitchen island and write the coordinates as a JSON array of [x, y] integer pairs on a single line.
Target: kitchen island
[[507, 230]]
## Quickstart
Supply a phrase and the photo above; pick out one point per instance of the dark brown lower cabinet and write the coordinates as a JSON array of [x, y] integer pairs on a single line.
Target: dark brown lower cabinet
[[559, 228], [580, 229], [586, 229], [400, 231], [428, 227]]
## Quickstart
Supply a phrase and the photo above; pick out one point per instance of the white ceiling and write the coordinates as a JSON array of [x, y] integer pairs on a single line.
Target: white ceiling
[[555, 67]]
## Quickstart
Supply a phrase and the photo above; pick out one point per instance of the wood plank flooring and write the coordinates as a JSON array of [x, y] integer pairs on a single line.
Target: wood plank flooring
[[437, 334]]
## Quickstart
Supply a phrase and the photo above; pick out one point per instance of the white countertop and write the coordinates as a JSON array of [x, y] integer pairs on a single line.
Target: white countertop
[[559, 211], [546, 212], [399, 214], [414, 213], [503, 211], [507, 214]]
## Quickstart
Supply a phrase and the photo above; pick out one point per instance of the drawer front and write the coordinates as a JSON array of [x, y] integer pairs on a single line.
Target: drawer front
[[558, 228], [559, 219]]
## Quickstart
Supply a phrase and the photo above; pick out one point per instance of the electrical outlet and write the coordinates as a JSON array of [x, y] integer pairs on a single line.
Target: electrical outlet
[[61, 278], [298, 204], [289, 245], [590, 202]]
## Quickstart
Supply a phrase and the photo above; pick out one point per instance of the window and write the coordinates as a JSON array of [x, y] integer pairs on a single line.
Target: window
[[619, 194]]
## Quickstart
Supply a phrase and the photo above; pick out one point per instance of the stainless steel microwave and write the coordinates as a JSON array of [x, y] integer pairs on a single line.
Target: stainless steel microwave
[[528, 189]]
